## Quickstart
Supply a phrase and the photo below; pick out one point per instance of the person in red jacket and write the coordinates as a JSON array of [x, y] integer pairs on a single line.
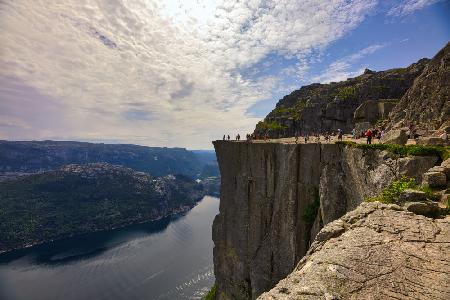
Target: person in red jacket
[[369, 135]]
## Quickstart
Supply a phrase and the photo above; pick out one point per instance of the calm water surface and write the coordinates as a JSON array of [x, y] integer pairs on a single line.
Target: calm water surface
[[167, 259]]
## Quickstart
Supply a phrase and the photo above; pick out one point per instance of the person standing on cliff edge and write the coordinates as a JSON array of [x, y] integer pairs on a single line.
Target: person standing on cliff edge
[[369, 136]]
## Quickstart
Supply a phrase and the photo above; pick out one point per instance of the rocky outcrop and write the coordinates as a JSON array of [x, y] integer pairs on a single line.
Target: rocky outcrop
[[427, 103], [328, 107], [371, 111], [377, 251], [275, 197], [396, 136]]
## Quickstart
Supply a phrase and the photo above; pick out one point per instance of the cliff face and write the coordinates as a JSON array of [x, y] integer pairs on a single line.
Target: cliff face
[[275, 198]]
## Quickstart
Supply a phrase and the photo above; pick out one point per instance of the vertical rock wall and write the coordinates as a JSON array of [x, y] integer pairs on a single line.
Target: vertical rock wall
[[267, 189]]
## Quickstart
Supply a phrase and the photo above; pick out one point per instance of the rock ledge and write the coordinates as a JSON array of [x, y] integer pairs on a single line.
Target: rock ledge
[[376, 251]]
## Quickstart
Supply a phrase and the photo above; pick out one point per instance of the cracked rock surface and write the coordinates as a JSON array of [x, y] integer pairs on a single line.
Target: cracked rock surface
[[376, 251]]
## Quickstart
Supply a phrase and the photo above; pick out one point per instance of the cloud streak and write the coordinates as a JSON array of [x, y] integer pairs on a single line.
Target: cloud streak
[[151, 73], [408, 7], [343, 68]]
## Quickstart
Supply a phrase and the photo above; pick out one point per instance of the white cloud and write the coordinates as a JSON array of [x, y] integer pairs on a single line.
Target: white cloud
[[343, 68], [407, 7], [151, 73]]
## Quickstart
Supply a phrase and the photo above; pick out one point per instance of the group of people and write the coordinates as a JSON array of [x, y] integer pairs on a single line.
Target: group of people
[[227, 138], [369, 134]]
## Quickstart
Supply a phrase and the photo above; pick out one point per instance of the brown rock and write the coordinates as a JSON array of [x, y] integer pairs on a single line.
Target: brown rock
[[397, 136], [434, 179]]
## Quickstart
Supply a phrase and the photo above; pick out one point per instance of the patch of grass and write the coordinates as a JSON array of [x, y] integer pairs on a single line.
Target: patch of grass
[[428, 192], [404, 150], [211, 294], [269, 125], [391, 193], [346, 93]]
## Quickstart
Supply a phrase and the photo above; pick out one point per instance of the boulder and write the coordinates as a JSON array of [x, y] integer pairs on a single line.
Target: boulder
[[443, 169], [410, 195], [432, 141], [434, 179], [422, 208], [445, 165], [397, 136], [377, 251], [362, 126]]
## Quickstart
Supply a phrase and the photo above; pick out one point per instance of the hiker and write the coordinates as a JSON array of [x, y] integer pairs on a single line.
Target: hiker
[[354, 133], [339, 135], [369, 135], [228, 137], [238, 137], [224, 137]]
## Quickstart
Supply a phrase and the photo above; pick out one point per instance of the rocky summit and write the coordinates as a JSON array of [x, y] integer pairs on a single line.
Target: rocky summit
[[426, 104], [418, 96], [328, 107]]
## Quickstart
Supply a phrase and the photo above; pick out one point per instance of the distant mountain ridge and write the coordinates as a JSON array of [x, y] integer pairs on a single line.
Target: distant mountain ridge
[[33, 156]]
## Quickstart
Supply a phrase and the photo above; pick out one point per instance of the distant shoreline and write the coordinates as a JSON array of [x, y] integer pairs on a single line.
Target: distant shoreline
[[179, 211]]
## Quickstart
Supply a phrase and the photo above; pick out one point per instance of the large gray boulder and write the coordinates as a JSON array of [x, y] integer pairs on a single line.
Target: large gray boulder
[[377, 251], [410, 195], [432, 141], [396, 136], [434, 179], [422, 208]]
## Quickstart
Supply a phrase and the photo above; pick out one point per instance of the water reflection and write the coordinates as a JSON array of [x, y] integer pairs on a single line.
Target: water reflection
[[167, 259]]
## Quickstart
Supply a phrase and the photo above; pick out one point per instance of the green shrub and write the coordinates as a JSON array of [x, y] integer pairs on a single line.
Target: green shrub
[[429, 193], [346, 93], [310, 211], [446, 211], [281, 110], [269, 125], [309, 215], [391, 193], [211, 294]]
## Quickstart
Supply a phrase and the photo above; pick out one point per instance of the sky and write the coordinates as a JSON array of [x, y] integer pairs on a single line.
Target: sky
[[181, 73]]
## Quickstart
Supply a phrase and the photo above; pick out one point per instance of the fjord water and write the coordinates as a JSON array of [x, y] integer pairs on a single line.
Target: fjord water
[[166, 259]]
